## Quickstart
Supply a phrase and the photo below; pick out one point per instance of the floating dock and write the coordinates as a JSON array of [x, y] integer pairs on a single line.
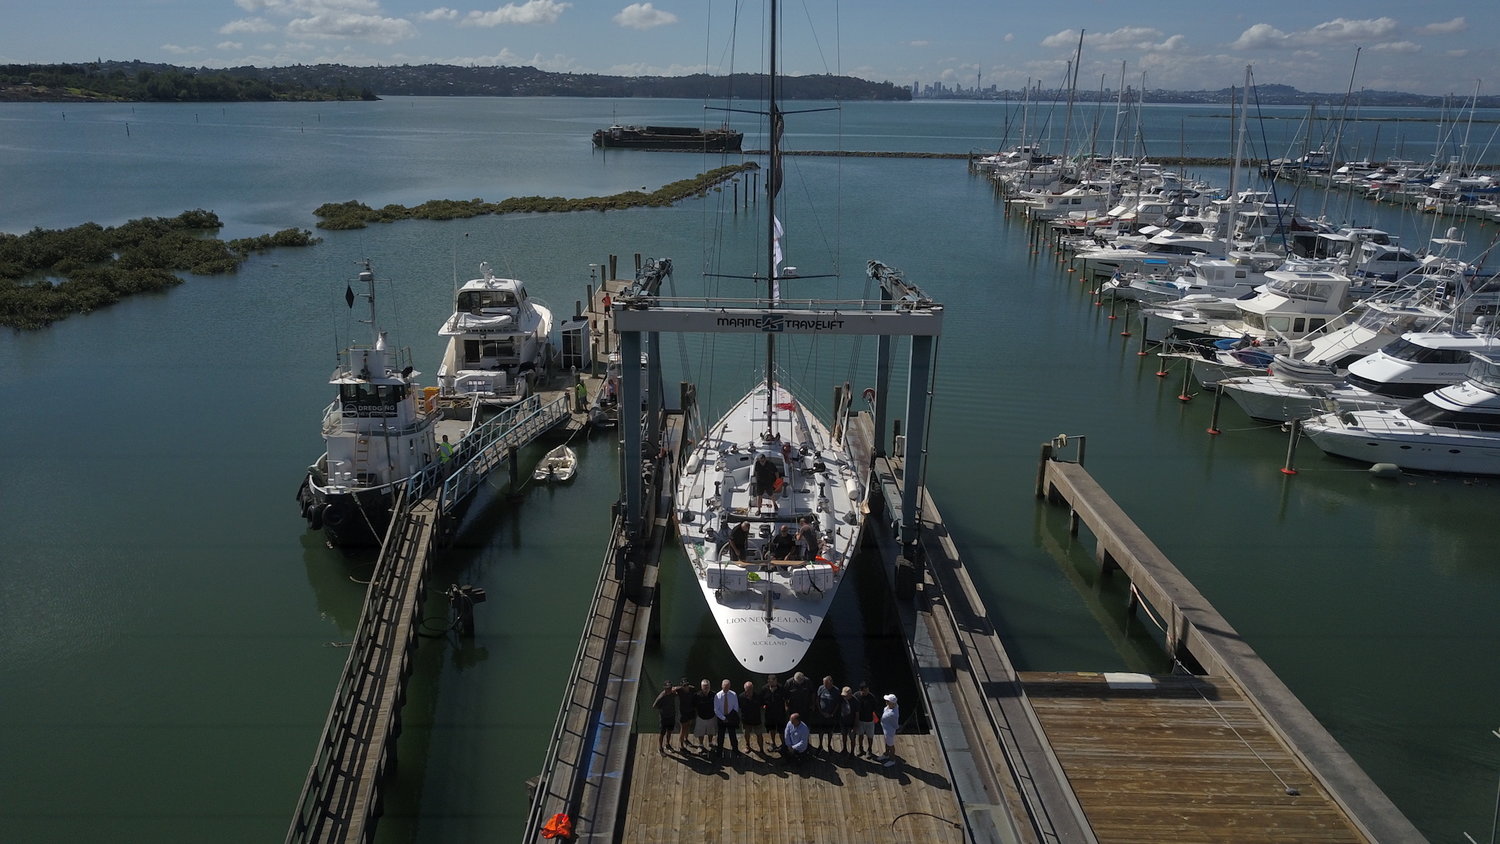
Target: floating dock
[[340, 799], [1220, 750]]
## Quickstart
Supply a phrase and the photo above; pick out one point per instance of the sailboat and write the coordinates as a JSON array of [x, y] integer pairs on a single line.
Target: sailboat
[[768, 498]]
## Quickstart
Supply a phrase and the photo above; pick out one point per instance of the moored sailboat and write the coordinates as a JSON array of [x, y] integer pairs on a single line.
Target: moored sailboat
[[768, 499]]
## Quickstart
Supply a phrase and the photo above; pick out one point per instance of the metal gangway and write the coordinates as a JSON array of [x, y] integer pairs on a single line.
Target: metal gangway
[[340, 800]]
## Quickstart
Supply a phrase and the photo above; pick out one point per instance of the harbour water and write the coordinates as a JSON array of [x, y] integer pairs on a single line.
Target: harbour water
[[169, 629]]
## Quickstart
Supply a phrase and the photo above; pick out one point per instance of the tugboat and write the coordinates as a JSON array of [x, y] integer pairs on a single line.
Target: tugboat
[[722, 139], [380, 430]]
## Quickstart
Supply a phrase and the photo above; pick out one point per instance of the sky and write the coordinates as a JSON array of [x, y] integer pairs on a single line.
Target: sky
[[1430, 47]]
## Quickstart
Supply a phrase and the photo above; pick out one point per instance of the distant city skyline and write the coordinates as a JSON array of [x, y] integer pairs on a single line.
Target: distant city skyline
[[1438, 47]]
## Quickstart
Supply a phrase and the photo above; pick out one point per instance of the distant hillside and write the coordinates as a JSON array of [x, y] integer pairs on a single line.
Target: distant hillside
[[1260, 95], [119, 80], [140, 82]]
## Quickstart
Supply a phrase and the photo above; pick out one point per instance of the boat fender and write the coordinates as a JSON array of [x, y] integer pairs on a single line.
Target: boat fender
[[1387, 471], [333, 515], [315, 520]]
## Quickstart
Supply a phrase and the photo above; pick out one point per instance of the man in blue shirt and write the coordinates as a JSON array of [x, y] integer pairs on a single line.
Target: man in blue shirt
[[794, 738]]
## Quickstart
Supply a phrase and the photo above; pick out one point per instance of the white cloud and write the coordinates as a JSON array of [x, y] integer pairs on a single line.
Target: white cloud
[[1009, 37], [360, 20], [180, 51], [442, 13], [1458, 24], [1397, 47], [919, 43], [247, 25], [1128, 38], [347, 24], [1265, 36], [1066, 38], [229, 45], [532, 11], [643, 16]]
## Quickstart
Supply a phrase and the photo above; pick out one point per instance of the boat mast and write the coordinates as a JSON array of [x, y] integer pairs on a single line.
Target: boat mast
[[773, 186]]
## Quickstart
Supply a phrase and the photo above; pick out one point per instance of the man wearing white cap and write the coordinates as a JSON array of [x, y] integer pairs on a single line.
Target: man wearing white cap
[[890, 719]]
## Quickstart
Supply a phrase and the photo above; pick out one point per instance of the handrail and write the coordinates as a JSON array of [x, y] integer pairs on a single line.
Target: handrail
[[544, 782], [322, 807]]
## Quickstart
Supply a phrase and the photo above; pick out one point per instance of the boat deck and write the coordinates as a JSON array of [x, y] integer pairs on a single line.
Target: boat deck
[[832, 798]]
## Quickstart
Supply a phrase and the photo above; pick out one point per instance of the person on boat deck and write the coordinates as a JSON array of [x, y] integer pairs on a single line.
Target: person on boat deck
[[783, 544], [787, 459], [763, 474], [807, 537], [739, 541]]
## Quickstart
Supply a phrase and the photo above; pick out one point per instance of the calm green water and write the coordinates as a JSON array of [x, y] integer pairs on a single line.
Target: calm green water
[[169, 629]]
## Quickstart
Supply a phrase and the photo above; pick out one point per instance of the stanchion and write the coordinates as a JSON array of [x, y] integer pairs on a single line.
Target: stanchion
[[1291, 448]]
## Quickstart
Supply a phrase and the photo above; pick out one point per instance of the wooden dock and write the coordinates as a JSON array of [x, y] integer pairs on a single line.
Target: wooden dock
[[1179, 758], [1225, 753], [341, 797], [1247, 759], [832, 798]]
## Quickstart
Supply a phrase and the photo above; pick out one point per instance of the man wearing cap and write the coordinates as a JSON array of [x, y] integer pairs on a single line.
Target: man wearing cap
[[890, 719]]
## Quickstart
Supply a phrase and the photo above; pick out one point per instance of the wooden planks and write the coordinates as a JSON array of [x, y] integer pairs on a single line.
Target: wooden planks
[[1189, 759], [829, 799]]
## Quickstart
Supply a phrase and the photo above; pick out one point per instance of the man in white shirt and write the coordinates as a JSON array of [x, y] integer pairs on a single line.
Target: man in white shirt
[[727, 711]]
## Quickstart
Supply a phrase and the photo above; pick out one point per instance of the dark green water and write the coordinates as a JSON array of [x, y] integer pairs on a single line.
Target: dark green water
[[168, 628]]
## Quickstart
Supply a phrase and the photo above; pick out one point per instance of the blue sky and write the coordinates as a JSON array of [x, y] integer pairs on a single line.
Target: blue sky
[[1435, 47]]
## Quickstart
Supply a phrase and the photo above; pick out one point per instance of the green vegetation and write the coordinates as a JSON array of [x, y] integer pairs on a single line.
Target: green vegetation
[[47, 275], [153, 83], [356, 215]]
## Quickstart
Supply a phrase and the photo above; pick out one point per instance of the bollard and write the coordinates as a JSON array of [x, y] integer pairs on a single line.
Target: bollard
[[1291, 448]]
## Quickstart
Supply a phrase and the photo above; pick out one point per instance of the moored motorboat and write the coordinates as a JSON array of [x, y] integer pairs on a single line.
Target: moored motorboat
[[1453, 429], [499, 341]]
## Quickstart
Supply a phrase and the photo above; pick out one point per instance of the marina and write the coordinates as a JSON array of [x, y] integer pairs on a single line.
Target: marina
[[1410, 552]]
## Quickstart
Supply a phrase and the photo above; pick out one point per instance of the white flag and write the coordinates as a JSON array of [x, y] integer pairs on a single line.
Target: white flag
[[776, 258]]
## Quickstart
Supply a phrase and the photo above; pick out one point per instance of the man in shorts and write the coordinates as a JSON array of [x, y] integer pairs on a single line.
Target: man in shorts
[[666, 712], [867, 718]]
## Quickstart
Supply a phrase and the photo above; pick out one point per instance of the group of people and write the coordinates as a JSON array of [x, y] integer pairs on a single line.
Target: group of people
[[803, 545], [792, 719]]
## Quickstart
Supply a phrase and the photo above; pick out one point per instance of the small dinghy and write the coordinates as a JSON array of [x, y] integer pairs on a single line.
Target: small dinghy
[[559, 465]]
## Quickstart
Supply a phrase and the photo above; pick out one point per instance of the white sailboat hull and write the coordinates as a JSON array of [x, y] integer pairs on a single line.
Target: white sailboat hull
[[769, 611]]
